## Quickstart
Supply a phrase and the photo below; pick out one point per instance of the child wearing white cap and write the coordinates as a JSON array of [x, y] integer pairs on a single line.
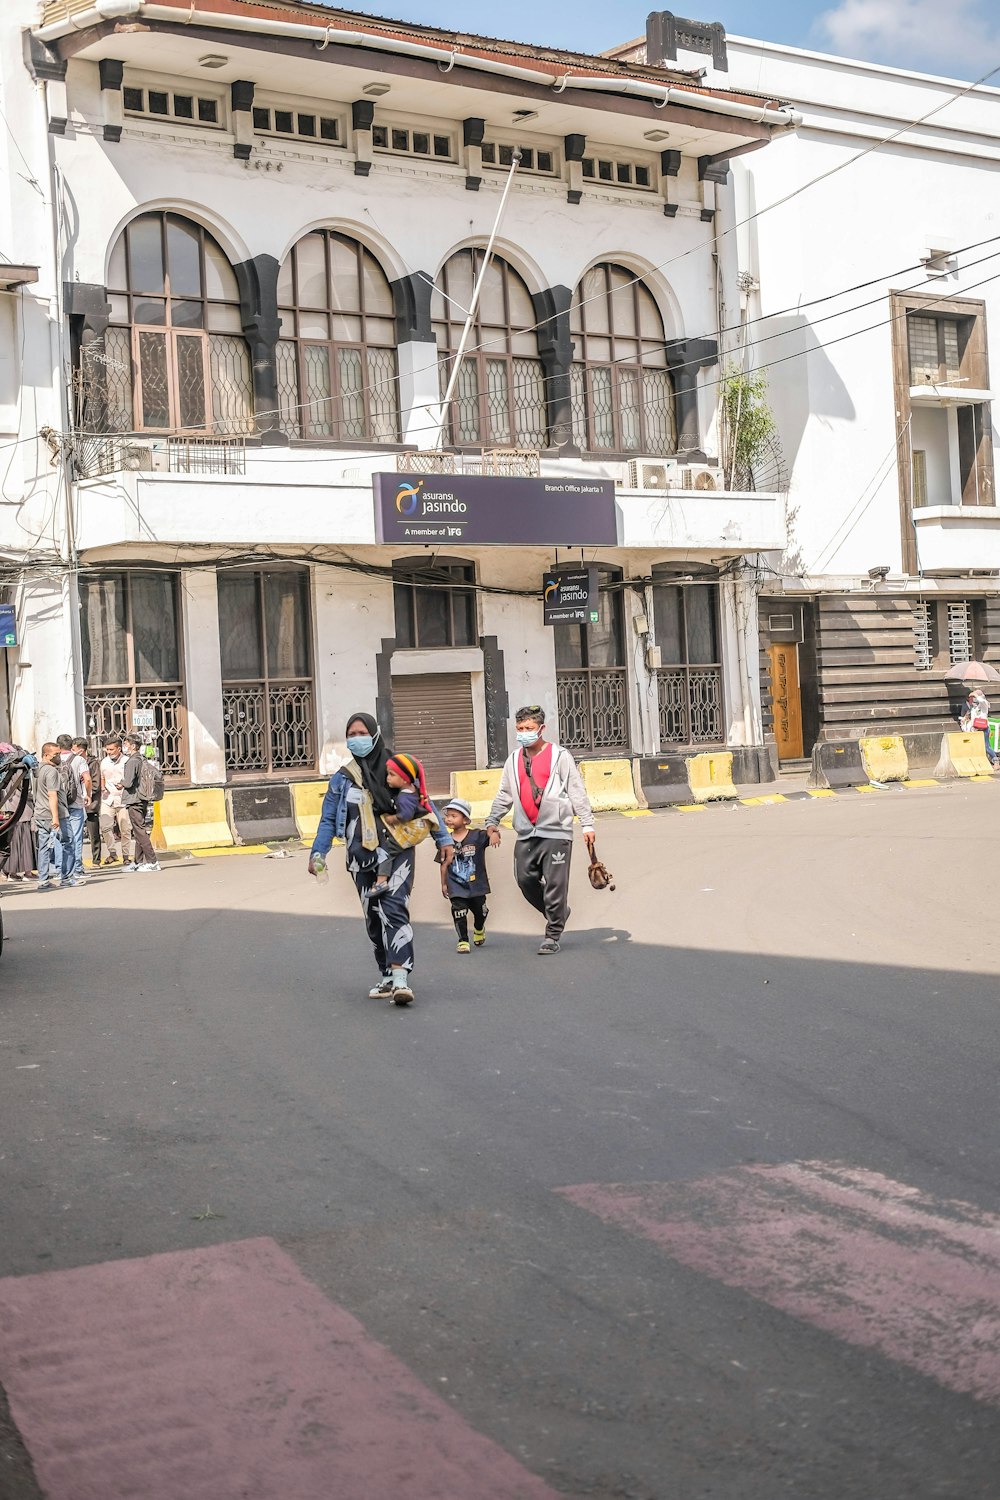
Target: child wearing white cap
[[464, 882]]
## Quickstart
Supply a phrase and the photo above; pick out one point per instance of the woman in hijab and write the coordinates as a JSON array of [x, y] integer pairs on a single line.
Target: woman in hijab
[[357, 796]]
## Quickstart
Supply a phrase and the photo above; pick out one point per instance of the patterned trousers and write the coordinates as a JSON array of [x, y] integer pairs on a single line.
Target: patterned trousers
[[388, 918]]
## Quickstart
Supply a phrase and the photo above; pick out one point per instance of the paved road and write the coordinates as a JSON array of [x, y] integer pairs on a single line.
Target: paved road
[[708, 1206]]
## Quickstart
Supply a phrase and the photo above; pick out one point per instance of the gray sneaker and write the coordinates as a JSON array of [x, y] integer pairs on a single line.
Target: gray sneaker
[[400, 994], [549, 945]]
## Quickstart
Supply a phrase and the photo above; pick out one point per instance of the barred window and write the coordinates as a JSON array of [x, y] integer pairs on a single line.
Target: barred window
[[174, 358], [132, 659], [499, 398], [623, 396], [267, 680], [336, 358], [946, 631]]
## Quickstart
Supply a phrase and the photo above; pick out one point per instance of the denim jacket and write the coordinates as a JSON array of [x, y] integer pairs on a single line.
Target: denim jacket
[[333, 817]]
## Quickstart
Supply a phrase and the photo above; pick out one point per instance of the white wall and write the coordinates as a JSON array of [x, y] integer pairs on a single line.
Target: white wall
[[830, 375]]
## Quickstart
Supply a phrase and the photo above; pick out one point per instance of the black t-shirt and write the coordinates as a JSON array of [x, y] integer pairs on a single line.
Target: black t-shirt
[[466, 875]]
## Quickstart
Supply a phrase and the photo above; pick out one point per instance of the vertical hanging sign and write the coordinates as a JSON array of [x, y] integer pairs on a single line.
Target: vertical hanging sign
[[8, 626], [569, 596]]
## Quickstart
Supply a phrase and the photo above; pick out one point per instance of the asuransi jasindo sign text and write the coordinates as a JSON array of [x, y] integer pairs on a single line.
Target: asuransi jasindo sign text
[[494, 511]]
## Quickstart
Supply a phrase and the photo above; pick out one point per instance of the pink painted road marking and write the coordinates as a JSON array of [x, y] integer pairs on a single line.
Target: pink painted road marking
[[871, 1260], [223, 1374]]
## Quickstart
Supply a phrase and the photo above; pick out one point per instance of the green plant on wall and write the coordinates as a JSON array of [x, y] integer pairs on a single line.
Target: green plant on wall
[[748, 422]]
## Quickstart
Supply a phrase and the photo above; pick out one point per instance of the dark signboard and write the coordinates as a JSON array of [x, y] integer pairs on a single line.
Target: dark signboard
[[569, 596], [8, 626], [464, 508]]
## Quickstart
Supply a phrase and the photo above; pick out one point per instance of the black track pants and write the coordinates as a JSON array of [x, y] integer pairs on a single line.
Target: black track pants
[[460, 908], [541, 869]]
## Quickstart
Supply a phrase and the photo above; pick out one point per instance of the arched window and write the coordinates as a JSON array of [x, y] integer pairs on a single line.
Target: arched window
[[336, 358], [499, 398], [174, 357], [623, 397]]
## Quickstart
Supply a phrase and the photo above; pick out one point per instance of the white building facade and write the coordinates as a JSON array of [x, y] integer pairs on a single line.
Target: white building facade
[[257, 242], [870, 259]]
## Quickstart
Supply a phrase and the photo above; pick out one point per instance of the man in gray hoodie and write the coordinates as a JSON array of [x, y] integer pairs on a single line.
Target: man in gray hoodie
[[543, 785]]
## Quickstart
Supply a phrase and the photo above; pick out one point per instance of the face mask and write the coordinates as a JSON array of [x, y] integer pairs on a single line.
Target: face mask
[[360, 744], [528, 737]]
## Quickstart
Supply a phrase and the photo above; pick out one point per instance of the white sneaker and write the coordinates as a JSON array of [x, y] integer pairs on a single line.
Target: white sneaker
[[382, 989], [141, 869]]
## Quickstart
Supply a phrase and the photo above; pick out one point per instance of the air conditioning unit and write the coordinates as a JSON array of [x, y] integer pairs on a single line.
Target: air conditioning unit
[[652, 473], [701, 477], [137, 458]]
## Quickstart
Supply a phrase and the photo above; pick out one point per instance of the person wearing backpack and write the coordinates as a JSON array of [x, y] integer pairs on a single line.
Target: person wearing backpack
[[139, 789], [74, 774]]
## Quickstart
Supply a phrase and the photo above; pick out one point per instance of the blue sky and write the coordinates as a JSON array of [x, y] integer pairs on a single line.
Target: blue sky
[[960, 38]]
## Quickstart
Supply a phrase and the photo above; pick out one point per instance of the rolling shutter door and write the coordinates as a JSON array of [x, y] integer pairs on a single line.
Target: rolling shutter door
[[433, 720]]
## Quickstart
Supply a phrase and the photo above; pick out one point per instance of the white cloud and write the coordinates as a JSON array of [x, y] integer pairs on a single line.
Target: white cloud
[[961, 38]]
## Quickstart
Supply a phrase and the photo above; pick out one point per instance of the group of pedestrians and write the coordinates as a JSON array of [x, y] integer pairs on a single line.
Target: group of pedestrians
[[76, 790], [378, 805]]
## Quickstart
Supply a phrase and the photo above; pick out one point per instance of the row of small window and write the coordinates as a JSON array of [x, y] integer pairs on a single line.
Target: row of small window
[[308, 125], [946, 631], [623, 173], [166, 104]]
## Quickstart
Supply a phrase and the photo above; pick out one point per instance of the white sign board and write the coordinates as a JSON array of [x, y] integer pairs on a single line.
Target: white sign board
[[143, 718]]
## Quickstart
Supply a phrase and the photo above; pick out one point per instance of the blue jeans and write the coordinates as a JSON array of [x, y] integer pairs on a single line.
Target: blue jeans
[[990, 752], [48, 845], [71, 833]]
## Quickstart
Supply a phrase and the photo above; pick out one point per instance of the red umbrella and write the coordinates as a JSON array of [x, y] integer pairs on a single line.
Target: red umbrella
[[972, 671]]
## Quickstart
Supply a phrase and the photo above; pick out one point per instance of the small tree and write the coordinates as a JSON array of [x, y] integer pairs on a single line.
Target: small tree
[[749, 422]]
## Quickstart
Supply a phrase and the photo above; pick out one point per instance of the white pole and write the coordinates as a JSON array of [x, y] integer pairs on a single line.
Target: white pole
[[476, 293]]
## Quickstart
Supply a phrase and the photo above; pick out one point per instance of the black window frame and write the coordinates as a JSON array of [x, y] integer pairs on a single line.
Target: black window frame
[[456, 577]]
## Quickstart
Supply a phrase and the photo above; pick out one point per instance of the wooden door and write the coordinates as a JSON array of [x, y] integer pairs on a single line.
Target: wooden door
[[433, 719], [786, 699]]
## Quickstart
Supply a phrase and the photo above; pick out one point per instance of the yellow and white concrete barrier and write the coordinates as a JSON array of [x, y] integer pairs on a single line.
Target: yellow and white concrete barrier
[[710, 776], [884, 758], [193, 819]]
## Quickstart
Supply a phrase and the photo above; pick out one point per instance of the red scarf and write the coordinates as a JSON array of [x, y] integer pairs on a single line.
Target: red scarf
[[541, 768]]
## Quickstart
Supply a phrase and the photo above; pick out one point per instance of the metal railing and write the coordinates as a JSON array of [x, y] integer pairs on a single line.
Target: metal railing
[[268, 726], [689, 700], [592, 704], [110, 711], [520, 463]]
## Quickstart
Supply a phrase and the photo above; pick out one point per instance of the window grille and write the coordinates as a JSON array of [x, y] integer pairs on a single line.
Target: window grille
[[923, 645], [616, 171], [918, 466], [959, 631], [591, 680], [177, 105], [267, 684], [689, 684], [621, 390], [499, 397], [402, 140], [501, 154], [132, 660], [336, 360], [298, 124]]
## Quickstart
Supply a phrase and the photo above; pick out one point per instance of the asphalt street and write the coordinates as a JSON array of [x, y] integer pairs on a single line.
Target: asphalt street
[[707, 1205]]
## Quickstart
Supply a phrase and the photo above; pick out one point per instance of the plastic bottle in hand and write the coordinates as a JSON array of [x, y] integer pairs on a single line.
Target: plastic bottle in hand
[[320, 869]]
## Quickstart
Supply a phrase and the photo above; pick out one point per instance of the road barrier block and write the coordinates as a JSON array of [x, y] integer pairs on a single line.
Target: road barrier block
[[884, 758], [710, 776], [478, 788], [837, 763], [610, 785], [964, 755], [258, 813], [192, 819], [307, 803]]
